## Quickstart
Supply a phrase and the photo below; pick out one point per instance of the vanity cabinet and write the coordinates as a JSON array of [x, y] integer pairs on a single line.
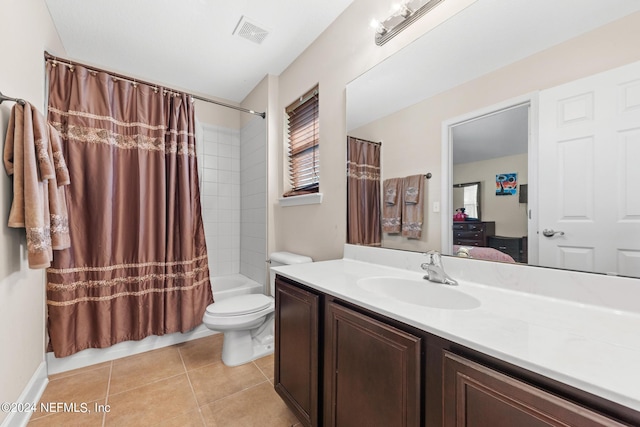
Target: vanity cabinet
[[372, 371], [341, 365], [297, 338], [475, 395], [473, 233]]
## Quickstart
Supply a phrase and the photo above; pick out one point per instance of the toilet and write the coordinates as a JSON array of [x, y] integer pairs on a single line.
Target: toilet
[[247, 321]]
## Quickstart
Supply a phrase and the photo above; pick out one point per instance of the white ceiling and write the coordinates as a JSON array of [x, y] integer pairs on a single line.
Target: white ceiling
[[188, 44], [501, 134], [486, 36]]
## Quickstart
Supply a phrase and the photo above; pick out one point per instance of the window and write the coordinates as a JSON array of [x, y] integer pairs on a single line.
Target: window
[[304, 144]]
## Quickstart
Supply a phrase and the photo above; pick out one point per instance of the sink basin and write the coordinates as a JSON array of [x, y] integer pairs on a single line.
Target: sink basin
[[419, 292]]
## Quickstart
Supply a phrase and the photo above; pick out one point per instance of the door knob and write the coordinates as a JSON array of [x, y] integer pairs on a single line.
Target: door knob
[[551, 233]]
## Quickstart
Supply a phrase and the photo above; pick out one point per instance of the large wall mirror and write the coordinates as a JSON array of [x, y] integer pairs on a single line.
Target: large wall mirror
[[462, 102]]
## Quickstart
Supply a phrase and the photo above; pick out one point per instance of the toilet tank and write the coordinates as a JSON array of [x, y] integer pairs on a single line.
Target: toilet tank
[[284, 258]]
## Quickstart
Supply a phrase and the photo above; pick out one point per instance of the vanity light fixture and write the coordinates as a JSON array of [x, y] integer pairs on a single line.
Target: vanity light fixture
[[403, 14]]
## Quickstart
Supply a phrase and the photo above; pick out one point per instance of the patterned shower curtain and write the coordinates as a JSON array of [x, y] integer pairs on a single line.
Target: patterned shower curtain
[[363, 192], [137, 265]]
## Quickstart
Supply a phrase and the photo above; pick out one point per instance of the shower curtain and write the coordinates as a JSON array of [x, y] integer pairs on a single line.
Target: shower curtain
[[137, 265], [363, 192]]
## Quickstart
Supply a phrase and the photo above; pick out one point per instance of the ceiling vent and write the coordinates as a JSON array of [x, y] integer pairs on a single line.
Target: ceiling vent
[[250, 31]]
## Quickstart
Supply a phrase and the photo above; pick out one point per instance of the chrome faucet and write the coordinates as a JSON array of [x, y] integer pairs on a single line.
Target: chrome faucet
[[435, 270]]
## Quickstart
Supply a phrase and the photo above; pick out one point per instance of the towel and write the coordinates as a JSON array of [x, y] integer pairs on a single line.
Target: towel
[[391, 187], [33, 155], [412, 206], [391, 210], [58, 215], [412, 189]]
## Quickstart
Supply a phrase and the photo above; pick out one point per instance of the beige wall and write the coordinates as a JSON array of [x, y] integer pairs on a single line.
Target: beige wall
[[418, 129], [216, 115], [26, 32], [264, 98], [509, 215], [257, 100], [343, 52]]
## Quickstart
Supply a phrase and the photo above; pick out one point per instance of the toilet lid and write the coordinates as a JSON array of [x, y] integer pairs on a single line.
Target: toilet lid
[[243, 304]]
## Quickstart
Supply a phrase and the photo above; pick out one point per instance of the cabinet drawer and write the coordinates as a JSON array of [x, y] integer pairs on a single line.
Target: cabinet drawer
[[468, 235], [463, 242], [475, 395], [476, 226]]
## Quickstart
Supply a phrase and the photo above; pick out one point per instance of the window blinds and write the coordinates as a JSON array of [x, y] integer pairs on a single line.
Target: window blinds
[[304, 147]]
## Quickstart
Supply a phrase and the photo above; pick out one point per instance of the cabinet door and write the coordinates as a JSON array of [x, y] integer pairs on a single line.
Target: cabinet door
[[477, 396], [296, 352], [372, 373]]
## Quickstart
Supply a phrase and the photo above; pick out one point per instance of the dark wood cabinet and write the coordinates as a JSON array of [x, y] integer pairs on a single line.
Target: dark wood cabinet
[[512, 246], [297, 329], [477, 396], [372, 375], [340, 365], [473, 233]]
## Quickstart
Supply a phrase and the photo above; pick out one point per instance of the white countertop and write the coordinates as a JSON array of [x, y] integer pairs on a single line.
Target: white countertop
[[592, 348]]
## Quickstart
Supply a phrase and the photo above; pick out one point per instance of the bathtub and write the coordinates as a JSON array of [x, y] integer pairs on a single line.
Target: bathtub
[[232, 285], [222, 287]]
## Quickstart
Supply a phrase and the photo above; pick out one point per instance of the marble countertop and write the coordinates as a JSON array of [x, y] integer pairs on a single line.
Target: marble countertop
[[592, 348]]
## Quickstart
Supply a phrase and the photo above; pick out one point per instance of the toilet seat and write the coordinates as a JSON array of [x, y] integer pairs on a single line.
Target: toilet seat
[[240, 305]]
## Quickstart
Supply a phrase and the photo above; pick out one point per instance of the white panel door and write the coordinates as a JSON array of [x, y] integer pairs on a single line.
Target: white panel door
[[589, 173]]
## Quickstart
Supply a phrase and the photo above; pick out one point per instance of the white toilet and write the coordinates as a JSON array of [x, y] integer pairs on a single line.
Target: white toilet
[[247, 320]]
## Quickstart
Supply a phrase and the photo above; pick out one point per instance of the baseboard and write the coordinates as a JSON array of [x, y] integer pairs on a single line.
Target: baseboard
[[94, 356], [30, 396]]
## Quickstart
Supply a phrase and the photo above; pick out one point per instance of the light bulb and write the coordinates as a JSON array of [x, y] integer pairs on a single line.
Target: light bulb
[[377, 25]]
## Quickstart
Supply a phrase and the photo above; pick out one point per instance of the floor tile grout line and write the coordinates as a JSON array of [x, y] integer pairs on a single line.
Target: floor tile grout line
[[109, 395], [67, 377], [193, 392], [148, 384], [82, 370], [106, 398], [235, 393], [261, 371]]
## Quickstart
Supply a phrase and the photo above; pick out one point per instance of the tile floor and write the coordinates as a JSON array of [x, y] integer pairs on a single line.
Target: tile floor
[[183, 385]]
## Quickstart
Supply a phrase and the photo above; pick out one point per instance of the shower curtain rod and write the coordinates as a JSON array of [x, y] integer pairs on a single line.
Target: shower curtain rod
[[70, 63]]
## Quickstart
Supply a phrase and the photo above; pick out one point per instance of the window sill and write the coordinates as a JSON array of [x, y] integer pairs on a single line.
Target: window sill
[[305, 199]]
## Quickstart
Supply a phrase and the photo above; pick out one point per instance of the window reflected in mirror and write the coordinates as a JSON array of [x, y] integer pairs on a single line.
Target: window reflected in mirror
[[466, 201]]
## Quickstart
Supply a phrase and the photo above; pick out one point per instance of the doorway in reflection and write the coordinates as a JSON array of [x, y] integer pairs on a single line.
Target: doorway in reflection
[[485, 150]]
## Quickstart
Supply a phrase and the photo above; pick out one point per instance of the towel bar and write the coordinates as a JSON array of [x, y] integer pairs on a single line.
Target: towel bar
[[6, 98]]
